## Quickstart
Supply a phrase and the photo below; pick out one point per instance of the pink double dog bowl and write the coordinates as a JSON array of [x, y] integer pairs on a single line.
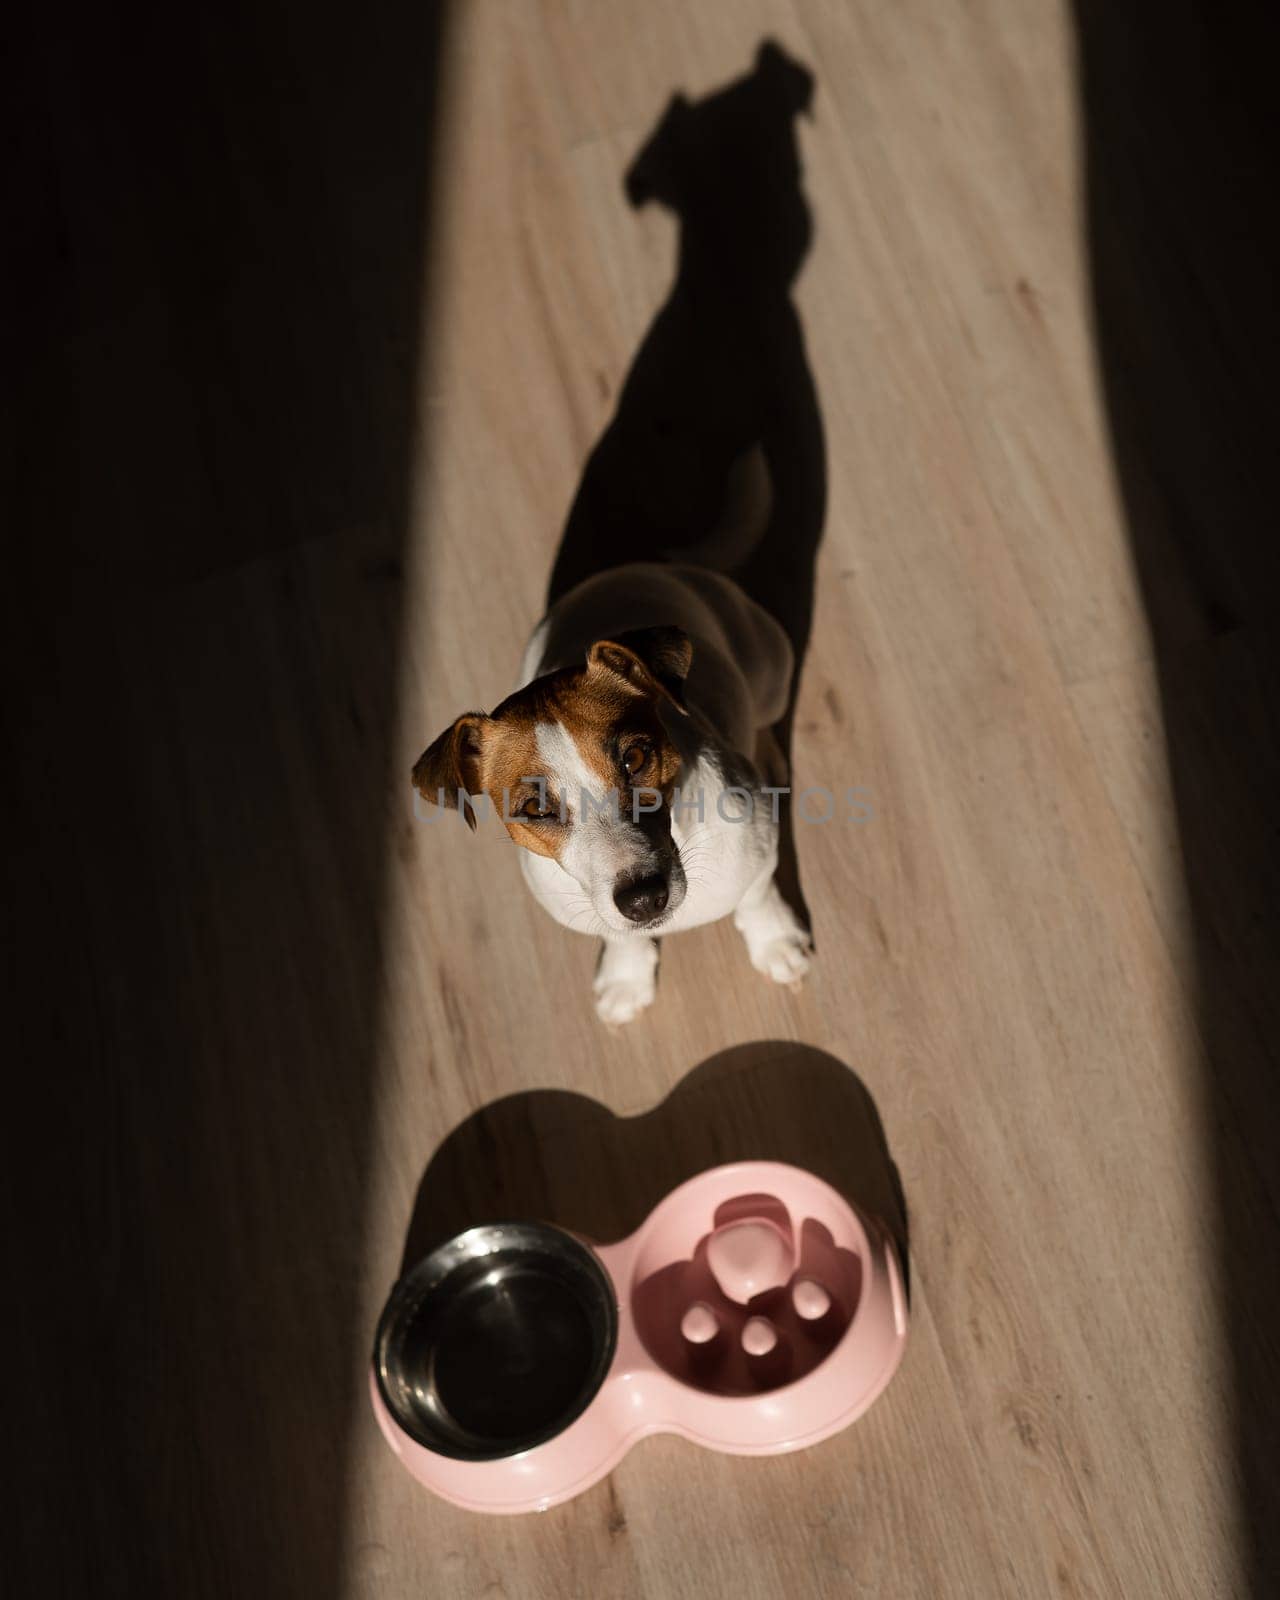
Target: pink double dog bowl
[[753, 1311]]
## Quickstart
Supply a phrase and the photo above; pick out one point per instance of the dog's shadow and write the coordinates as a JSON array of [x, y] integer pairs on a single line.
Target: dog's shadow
[[721, 375], [552, 1156]]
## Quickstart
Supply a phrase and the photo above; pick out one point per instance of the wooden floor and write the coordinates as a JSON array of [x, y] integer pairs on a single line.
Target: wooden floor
[[1003, 1004], [1001, 956]]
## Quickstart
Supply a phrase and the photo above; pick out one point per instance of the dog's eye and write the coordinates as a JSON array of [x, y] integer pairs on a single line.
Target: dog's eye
[[635, 758], [535, 810]]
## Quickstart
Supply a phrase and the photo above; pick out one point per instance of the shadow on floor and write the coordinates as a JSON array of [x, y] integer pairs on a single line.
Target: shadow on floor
[[552, 1156], [213, 336], [1179, 141], [721, 375]]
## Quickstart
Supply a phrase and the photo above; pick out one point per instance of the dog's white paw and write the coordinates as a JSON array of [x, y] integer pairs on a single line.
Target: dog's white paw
[[785, 959], [622, 1000], [626, 979]]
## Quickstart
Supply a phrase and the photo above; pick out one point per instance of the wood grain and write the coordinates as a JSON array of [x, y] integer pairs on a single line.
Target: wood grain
[[991, 964]]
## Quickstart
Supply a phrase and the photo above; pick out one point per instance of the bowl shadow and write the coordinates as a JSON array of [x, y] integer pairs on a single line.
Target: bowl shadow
[[553, 1156]]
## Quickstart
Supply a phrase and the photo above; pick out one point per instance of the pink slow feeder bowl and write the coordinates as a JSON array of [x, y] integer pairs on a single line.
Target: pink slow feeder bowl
[[753, 1311]]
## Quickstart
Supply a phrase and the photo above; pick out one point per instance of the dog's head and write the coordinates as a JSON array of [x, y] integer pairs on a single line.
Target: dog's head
[[581, 768]]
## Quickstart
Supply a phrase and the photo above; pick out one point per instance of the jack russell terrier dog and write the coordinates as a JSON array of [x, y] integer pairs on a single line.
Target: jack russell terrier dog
[[626, 769]]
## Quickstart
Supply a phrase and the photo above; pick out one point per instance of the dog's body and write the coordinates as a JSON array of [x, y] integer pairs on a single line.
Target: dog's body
[[724, 823]]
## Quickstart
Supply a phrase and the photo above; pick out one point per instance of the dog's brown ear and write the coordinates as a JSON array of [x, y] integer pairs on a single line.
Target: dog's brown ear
[[449, 768], [650, 660]]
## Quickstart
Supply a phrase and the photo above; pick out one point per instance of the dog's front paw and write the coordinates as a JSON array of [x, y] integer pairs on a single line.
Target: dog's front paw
[[620, 1000], [785, 959], [626, 979]]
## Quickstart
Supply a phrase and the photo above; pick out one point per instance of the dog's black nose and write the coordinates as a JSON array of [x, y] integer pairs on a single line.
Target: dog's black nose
[[642, 899]]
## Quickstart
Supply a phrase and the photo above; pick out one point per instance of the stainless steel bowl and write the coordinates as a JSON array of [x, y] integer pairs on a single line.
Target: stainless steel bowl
[[496, 1341]]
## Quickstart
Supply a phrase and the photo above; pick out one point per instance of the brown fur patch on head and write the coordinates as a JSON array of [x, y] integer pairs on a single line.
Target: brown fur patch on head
[[491, 755], [512, 770], [610, 710]]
